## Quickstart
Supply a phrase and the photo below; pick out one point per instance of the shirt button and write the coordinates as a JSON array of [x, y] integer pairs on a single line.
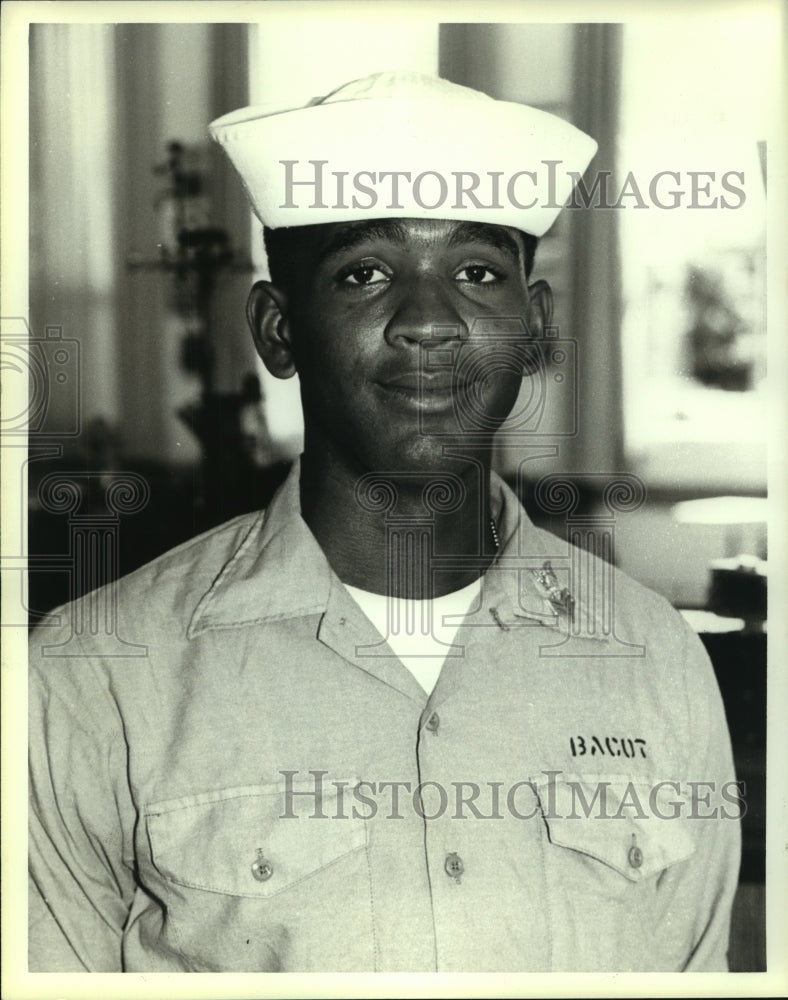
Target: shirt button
[[262, 869], [453, 865], [635, 857], [433, 722]]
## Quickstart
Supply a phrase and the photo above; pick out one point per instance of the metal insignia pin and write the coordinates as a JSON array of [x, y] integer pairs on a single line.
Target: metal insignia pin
[[547, 582]]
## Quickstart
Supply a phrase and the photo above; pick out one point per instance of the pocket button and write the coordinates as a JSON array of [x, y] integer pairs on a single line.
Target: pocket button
[[635, 857], [453, 865], [262, 869]]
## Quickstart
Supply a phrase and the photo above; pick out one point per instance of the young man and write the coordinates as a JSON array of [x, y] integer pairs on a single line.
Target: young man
[[386, 724]]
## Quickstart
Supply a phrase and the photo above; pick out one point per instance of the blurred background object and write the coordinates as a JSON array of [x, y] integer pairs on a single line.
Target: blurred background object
[[732, 626], [238, 468], [737, 585]]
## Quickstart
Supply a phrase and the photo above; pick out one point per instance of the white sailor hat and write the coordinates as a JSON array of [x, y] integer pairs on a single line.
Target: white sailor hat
[[405, 145]]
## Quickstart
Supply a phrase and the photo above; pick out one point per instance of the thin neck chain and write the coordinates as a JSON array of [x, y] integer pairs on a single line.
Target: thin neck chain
[[494, 531]]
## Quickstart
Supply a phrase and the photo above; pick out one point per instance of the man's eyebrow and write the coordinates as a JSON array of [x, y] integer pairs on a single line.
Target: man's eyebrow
[[349, 237], [493, 236]]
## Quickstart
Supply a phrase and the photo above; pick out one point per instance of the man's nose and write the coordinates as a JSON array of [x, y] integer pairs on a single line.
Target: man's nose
[[426, 311]]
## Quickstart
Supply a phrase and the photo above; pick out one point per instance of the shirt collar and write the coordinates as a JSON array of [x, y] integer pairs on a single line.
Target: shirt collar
[[279, 571], [537, 574]]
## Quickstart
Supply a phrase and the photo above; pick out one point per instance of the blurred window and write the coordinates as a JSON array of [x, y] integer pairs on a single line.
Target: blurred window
[[694, 252]]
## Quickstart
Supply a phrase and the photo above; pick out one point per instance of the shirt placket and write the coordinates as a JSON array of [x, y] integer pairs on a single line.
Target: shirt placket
[[484, 870]]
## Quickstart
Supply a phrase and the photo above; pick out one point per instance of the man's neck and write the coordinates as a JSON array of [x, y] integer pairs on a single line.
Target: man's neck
[[407, 534]]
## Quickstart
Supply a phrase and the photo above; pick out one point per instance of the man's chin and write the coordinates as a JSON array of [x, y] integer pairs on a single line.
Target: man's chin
[[426, 455]]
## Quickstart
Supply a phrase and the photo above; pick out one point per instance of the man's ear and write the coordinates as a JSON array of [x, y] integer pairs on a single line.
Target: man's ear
[[266, 312], [540, 308], [540, 313]]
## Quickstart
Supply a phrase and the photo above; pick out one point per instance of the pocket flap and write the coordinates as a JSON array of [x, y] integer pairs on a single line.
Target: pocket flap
[[239, 841], [617, 822]]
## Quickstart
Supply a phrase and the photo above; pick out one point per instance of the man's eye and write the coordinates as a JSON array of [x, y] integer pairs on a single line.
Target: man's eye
[[478, 274], [366, 274]]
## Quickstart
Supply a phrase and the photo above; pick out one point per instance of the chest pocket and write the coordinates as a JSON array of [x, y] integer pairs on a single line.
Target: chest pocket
[[605, 857], [633, 828], [253, 841]]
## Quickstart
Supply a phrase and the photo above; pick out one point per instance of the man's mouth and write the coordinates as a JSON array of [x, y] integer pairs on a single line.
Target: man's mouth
[[425, 391]]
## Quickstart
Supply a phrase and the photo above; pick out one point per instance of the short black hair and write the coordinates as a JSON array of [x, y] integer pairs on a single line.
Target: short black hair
[[281, 249]]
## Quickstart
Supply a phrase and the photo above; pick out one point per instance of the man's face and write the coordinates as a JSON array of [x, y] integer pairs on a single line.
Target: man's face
[[406, 335]]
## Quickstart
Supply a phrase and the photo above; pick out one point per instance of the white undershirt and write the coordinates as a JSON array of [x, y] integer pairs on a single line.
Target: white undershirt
[[415, 630]]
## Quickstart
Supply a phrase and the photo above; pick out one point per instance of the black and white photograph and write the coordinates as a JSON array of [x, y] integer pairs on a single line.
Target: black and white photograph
[[393, 437]]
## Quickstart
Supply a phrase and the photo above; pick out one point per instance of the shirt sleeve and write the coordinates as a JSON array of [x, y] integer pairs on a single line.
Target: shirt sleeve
[[704, 886], [81, 817]]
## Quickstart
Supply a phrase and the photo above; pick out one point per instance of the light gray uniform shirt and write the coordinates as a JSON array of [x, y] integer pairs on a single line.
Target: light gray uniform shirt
[[238, 775]]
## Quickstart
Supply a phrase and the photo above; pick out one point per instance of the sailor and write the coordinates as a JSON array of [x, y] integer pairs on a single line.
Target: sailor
[[386, 724]]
